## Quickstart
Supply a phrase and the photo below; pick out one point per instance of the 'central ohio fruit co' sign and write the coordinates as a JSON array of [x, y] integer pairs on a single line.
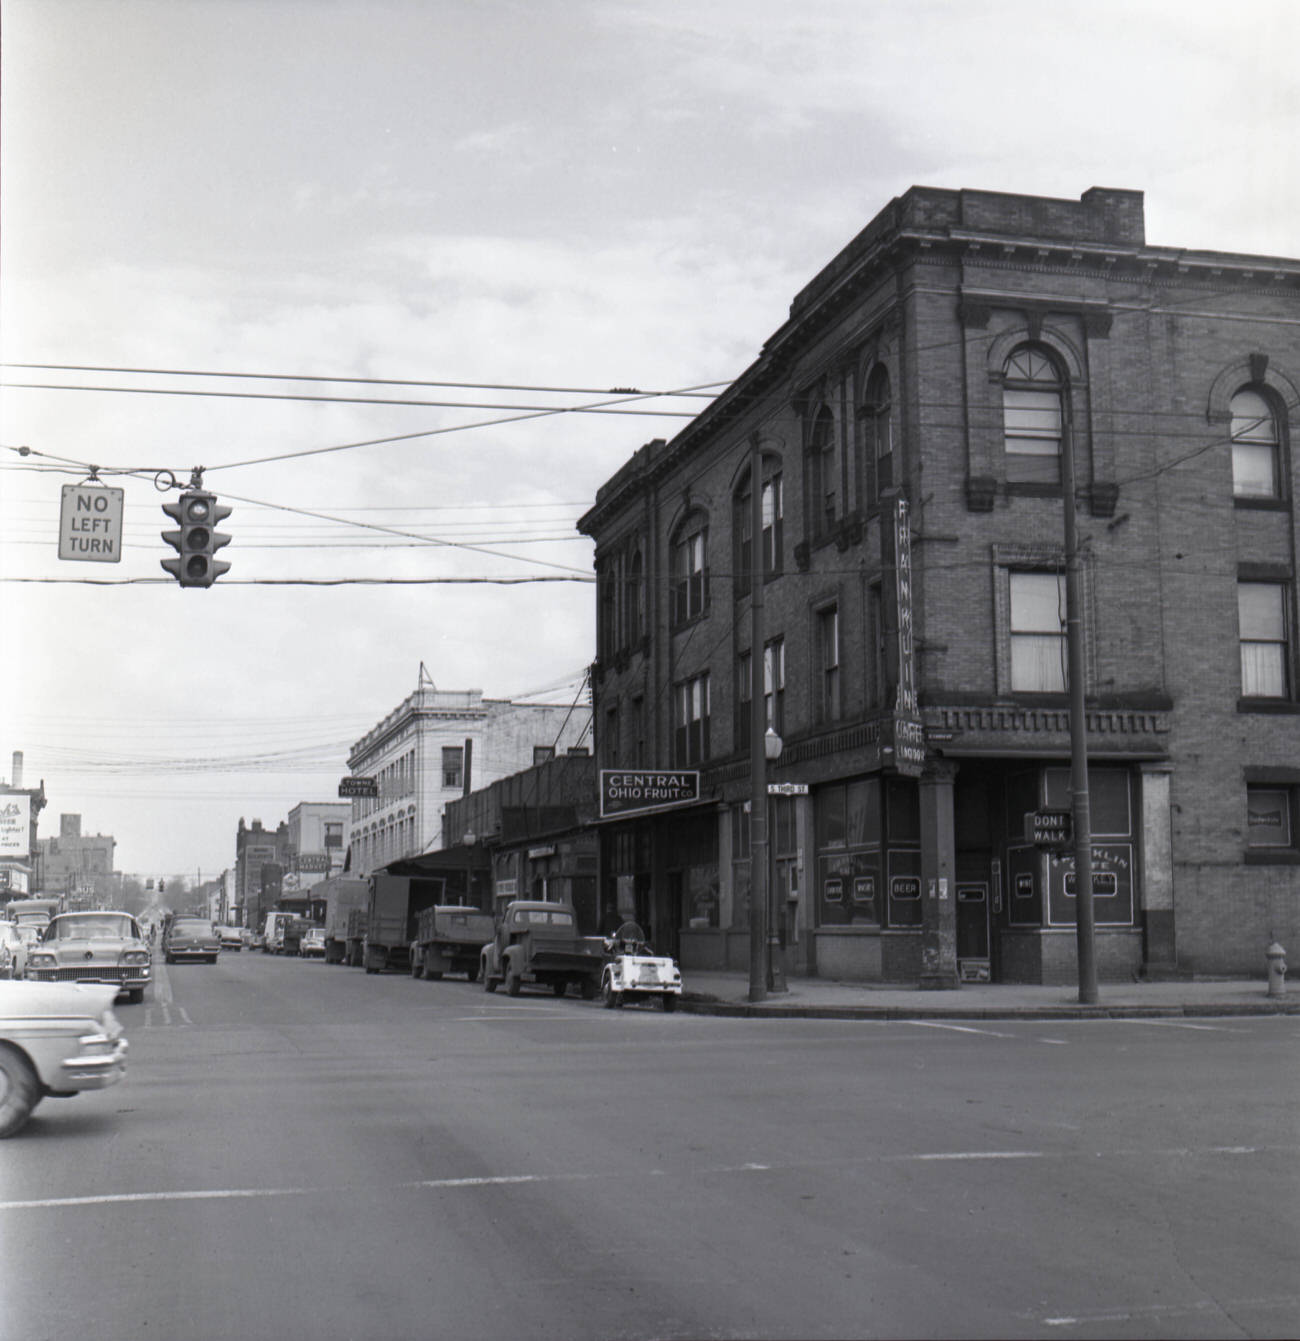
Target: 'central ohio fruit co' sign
[[626, 791]]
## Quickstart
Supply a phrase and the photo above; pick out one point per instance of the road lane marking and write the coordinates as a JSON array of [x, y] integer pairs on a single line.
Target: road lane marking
[[958, 1028], [586, 1175], [1180, 1024], [1198, 1307]]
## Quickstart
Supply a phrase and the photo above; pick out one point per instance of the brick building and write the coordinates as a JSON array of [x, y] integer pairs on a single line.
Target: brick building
[[911, 415], [77, 866]]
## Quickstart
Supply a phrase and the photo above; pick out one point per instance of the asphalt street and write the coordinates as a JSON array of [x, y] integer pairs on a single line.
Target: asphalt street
[[303, 1150]]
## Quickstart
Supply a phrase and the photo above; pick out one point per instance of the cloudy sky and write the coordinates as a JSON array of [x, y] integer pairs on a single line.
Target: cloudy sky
[[494, 208]]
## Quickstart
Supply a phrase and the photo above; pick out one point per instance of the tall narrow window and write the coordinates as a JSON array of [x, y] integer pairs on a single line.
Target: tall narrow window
[[823, 475], [744, 699], [1256, 444], [607, 616], [1261, 620], [691, 727], [453, 765], [689, 573], [634, 601], [1038, 657], [773, 503], [742, 528], [1032, 403], [878, 417], [828, 664], [774, 685]]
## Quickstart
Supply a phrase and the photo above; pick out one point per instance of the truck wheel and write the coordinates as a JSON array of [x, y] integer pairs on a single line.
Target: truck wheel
[[613, 1000], [20, 1091], [471, 973], [559, 988], [489, 983], [670, 1003], [588, 990], [433, 975], [513, 983]]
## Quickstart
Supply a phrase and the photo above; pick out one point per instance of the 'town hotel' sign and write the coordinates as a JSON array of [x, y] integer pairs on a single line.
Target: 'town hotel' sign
[[626, 791]]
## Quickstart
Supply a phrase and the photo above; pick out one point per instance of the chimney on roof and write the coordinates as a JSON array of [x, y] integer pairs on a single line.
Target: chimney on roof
[[18, 769]]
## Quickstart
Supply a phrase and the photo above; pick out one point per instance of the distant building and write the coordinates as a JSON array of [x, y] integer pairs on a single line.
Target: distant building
[[911, 420], [317, 835], [431, 749], [77, 866], [19, 808], [262, 856]]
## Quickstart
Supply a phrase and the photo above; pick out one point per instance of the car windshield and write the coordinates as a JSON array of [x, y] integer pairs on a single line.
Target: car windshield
[[93, 928]]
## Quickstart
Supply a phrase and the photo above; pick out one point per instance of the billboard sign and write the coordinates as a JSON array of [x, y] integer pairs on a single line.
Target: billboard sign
[[15, 826]]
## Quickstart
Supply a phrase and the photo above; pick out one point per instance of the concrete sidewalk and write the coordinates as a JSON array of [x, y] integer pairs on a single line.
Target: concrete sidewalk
[[727, 993]]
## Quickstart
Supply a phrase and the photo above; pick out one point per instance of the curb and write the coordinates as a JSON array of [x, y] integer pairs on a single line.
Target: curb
[[745, 1010]]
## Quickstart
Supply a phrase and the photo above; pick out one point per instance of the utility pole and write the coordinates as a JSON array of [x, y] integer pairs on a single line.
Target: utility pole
[[757, 730], [1083, 911]]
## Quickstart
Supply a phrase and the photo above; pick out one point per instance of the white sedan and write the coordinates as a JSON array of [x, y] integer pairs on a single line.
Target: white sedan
[[55, 1039]]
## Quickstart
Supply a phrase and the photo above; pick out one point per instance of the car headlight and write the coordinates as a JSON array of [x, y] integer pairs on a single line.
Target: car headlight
[[136, 957], [42, 959]]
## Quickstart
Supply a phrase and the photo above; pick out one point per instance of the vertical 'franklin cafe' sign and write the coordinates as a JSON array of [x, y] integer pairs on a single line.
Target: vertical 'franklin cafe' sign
[[905, 735]]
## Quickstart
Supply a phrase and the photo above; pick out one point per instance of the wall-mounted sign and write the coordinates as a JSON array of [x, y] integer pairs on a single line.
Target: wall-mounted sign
[[787, 789], [15, 826], [626, 791], [90, 523], [1049, 828], [358, 786]]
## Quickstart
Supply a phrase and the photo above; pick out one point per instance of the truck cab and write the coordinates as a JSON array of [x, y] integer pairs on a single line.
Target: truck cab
[[539, 943]]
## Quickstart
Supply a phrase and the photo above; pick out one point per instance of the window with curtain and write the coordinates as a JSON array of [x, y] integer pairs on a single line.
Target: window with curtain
[[1038, 654], [691, 721], [690, 581], [1262, 629], [1033, 416], [774, 685], [1256, 446]]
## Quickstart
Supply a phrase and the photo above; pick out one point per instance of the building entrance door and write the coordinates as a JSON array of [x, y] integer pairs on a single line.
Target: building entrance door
[[974, 962]]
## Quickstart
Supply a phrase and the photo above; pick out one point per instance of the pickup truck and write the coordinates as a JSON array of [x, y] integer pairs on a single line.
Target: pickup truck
[[449, 939], [539, 943]]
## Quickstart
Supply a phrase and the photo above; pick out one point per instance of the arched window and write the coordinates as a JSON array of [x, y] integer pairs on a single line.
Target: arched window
[[607, 610], [1032, 410], [773, 523], [690, 574], [878, 420], [1256, 446], [823, 474]]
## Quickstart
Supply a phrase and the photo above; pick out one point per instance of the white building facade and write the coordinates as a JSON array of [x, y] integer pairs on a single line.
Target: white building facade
[[433, 747]]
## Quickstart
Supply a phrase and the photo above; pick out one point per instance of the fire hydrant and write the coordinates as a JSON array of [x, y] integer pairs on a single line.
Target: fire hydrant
[[1276, 956]]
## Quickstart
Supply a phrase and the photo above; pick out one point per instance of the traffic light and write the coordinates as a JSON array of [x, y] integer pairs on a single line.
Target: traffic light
[[196, 512]]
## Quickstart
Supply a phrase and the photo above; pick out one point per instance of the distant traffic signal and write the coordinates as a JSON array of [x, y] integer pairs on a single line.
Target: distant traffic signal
[[196, 512]]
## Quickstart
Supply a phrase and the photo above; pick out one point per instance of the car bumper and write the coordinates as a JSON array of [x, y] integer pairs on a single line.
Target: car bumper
[[194, 952], [95, 1071], [124, 979]]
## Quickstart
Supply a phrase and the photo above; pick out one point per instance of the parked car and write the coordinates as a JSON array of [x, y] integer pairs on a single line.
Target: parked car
[[106, 947], [232, 938], [312, 945], [55, 1039], [191, 938], [636, 973], [13, 951]]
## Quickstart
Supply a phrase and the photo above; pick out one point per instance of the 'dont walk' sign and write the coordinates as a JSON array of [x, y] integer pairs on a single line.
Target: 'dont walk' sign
[[90, 523]]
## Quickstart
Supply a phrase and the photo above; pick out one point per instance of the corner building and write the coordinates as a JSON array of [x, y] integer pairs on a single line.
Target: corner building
[[909, 420]]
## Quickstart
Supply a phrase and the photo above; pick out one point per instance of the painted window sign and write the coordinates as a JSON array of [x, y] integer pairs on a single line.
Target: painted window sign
[[1024, 887], [1112, 886], [864, 889], [905, 887], [834, 889]]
